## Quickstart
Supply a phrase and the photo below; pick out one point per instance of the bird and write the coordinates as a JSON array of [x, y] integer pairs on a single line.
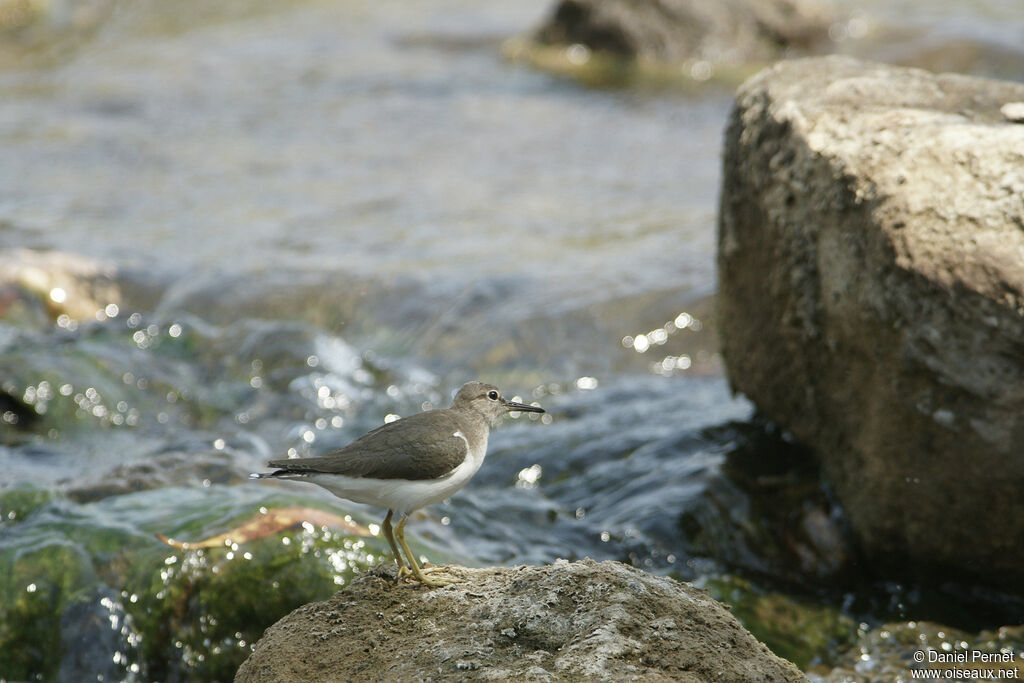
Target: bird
[[410, 463]]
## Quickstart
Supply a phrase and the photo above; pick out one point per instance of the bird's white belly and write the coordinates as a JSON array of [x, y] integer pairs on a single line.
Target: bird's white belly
[[402, 495]]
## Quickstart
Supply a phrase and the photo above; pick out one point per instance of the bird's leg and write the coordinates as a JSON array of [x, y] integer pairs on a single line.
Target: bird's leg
[[389, 534], [420, 574]]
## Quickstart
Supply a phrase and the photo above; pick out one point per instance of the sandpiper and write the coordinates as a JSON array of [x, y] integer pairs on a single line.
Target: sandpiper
[[410, 463]]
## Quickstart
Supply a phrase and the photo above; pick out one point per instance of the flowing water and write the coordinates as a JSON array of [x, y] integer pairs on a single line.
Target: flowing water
[[308, 217]]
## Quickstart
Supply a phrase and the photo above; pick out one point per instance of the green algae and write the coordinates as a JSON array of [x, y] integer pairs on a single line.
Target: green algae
[[199, 611], [19, 501], [35, 585]]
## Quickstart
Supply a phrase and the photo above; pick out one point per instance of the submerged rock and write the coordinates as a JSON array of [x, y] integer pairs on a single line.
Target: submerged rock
[[672, 31], [871, 253], [66, 284], [579, 621]]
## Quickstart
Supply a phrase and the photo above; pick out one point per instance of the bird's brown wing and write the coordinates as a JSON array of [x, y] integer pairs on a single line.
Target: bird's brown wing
[[421, 446]]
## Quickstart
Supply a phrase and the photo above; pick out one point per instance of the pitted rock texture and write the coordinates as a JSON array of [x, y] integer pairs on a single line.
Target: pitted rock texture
[[567, 621]]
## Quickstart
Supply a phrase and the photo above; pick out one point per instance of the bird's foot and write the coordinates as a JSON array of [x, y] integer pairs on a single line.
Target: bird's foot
[[428, 576], [439, 580], [434, 569]]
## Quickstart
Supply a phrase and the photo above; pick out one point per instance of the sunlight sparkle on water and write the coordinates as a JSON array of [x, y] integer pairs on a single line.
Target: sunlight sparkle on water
[[669, 364], [577, 54], [529, 476], [642, 343]]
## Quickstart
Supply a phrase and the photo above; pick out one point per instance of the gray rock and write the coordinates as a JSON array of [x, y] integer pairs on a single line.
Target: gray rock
[[871, 257], [730, 31], [568, 621]]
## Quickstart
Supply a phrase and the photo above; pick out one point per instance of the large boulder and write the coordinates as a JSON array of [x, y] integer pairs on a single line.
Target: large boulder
[[871, 256], [568, 621]]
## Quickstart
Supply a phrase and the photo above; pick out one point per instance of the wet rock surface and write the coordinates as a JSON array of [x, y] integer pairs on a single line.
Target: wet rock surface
[[891, 651], [871, 257], [566, 621]]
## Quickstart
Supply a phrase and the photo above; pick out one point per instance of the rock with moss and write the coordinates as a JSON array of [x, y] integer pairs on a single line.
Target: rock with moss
[[567, 621], [800, 630]]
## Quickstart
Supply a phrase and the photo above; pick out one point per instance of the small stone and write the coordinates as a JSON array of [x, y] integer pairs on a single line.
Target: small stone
[[1013, 112]]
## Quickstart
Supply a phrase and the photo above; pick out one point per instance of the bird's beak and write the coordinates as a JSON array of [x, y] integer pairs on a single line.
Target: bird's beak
[[522, 407]]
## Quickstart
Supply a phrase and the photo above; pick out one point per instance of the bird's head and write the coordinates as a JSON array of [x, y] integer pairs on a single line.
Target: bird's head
[[486, 400]]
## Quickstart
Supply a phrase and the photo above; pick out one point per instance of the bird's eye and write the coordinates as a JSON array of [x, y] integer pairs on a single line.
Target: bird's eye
[[493, 395]]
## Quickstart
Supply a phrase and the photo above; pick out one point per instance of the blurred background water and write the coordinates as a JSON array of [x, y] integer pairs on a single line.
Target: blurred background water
[[279, 224]]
